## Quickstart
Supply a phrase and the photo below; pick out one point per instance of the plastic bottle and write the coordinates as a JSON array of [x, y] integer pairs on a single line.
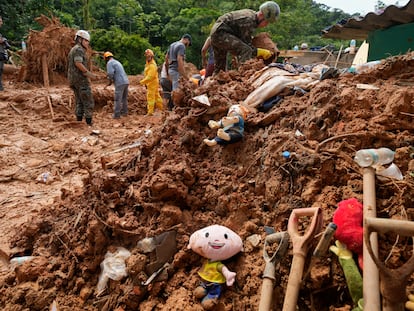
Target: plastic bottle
[[24, 46], [352, 46], [369, 157], [18, 261], [286, 154]]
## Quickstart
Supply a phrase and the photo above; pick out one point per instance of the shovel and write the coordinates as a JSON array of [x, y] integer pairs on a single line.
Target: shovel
[[393, 281], [270, 269], [301, 245]]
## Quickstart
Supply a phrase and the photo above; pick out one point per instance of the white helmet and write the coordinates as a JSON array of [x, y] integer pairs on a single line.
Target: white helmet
[[83, 34], [270, 11]]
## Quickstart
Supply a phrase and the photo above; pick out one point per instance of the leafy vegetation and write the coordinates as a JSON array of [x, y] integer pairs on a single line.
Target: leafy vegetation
[[128, 27]]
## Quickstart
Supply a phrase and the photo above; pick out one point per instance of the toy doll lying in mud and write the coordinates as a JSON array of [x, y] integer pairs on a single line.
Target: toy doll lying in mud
[[215, 243], [230, 128]]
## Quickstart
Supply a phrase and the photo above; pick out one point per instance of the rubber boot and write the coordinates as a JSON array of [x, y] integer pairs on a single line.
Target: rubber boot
[[89, 121], [159, 105], [150, 108], [170, 104]]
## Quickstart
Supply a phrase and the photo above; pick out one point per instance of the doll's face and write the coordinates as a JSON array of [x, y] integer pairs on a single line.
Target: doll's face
[[233, 110], [215, 242]]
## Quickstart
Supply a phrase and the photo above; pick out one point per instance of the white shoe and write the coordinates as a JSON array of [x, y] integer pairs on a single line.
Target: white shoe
[[210, 142]]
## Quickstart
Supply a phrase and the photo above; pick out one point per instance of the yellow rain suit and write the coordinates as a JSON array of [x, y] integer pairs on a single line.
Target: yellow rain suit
[[152, 83]]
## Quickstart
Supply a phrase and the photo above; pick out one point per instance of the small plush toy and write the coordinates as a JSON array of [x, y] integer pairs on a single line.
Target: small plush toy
[[215, 243], [348, 217], [230, 128], [352, 275]]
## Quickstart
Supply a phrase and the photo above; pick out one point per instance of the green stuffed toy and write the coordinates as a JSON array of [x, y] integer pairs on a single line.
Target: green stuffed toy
[[352, 275]]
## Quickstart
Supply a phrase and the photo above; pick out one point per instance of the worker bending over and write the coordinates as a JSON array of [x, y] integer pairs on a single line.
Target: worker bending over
[[232, 33]]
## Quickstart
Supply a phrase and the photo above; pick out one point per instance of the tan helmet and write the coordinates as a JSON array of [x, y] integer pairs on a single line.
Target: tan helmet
[[83, 34], [149, 52], [107, 55], [270, 11]]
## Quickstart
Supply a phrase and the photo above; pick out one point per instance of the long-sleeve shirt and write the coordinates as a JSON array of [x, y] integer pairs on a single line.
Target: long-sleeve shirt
[[116, 72]]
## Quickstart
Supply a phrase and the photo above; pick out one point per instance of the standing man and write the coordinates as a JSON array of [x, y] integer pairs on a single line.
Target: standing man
[[152, 83], [4, 45], [175, 60], [232, 33], [79, 77], [117, 75], [166, 86], [208, 62]]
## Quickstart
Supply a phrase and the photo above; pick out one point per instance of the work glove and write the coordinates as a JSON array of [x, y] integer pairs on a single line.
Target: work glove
[[409, 305], [213, 124], [352, 275], [263, 53]]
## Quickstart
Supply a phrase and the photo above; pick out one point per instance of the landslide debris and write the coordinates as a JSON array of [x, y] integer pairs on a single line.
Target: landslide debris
[[165, 179]]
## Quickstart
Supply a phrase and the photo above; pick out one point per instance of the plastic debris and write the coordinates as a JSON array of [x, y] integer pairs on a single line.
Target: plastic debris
[[113, 267]]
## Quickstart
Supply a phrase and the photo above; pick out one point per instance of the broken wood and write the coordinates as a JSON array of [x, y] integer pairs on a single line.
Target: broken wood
[[339, 55], [45, 71], [50, 107], [14, 108]]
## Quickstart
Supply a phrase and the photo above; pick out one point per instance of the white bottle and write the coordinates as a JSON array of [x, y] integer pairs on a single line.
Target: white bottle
[[24, 46], [369, 157], [352, 46]]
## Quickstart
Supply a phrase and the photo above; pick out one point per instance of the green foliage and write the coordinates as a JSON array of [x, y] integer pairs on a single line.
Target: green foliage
[[128, 49], [128, 27], [194, 22]]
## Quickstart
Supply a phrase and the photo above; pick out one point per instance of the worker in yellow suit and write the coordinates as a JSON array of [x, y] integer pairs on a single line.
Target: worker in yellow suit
[[151, 81]]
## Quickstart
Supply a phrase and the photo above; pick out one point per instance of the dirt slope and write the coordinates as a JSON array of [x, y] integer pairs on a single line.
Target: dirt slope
[[94, 200]]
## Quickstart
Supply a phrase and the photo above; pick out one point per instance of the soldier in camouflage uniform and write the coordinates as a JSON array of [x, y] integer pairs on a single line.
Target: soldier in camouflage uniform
[[79, 77], [4, 45], [233, 31]]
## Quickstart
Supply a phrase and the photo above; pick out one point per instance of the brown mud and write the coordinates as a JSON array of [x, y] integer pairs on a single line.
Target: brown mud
[[121, 181]]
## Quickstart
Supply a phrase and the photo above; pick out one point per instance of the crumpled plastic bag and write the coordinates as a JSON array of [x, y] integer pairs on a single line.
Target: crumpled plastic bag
[[112, 267]]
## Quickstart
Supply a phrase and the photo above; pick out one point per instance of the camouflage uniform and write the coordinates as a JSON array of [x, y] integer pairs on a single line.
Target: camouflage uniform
[[232, 33], [80, 84]]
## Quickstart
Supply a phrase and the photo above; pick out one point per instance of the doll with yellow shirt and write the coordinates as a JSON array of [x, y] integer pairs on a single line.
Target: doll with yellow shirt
[[215, 243]]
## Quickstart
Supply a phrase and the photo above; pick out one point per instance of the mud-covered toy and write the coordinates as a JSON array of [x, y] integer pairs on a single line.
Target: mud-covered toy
[[348, 218], [230, 128], [215, 243]]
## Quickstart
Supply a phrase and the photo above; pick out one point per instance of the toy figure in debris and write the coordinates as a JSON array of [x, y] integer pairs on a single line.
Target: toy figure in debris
[[215, 243], [230, 128], [348, 217]]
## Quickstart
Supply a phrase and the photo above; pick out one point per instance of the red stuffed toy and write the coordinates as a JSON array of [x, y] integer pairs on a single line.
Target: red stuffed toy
[[348, 217]]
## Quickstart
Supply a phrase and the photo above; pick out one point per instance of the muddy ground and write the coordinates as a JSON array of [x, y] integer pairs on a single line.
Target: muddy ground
[[120, 181]]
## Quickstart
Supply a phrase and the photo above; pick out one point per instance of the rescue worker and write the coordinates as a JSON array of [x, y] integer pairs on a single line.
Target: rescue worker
[[232, 33], [4, 57], [79, 77], [208, 62], [166, 86], [151, 81], [117, 75], [175, 59]]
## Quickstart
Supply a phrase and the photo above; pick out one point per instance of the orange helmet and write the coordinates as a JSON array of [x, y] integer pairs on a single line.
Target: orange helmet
[[107, 55], [149, 52]]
